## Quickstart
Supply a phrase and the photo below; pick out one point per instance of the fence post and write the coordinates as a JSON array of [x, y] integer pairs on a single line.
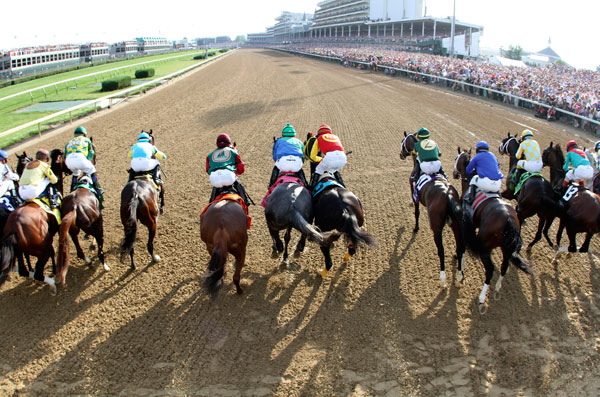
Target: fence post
[[31, 95], [70, 117], [43, 89], [95, 107], [39, 130]]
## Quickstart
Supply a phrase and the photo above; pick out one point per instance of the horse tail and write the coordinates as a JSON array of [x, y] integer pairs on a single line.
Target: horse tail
[[357, 235], [63, 244], [216, 266], [301, 224], [512, 244], [467, 228], [455, 210], [7, 256], [131, 222]]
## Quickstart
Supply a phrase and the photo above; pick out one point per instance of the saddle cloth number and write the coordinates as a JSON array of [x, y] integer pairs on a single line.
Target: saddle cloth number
[[422, 181], [5, 202], [571, 191]]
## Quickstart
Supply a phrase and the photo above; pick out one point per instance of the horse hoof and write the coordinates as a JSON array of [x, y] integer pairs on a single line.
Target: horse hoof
[[460, 277], [416, 229], [87, 260], [133, 267], [346, 257], [155, 258], [15, 269], [411, 204], [324, 273], [297, 254], [92, 247], [274, 254], [106, 267], [497, 295], [482, 308], [53, 290]]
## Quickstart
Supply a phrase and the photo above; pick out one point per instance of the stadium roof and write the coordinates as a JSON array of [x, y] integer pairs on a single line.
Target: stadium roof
[[549, 52]]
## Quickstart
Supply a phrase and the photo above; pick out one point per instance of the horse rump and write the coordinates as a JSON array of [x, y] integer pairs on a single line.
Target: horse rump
[[7, 256]]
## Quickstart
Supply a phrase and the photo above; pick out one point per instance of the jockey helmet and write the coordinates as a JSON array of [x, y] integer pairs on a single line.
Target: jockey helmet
[[597, 145], [288, 130], [526, 133], [482, 145], [80, 131], [324, 129], [3, 155], [42, 154], [143, 137], [423, 133], [223, 140], [571, 145]]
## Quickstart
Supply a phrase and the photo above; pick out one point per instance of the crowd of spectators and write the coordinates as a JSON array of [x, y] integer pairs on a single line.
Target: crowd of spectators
[[559, 87]]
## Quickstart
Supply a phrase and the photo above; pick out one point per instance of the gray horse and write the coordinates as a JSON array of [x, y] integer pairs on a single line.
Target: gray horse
[[290, 206]]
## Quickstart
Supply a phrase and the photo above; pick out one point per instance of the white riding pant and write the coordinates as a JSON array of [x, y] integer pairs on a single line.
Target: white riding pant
[[332, 161], [222, 177], [29, 192], [430, 167], [531, 165], [5, 186], [583, 172], [486, 184], [289, 163], [77, 163], [143, 164]]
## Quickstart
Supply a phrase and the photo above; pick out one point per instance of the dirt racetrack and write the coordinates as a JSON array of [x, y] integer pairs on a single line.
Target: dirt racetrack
[[377, 325]]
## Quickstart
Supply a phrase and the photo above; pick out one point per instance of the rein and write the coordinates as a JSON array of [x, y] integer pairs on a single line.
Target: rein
[[463, 177], [403, 148], [503, 149]]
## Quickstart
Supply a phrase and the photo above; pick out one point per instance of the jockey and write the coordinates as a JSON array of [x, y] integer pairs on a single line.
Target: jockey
[[530, 149], [596, 155], [37, 179], [223, 165], [7, 176], [144, 156], [428, 155], [577, 160], [488, 178], [288, 155], [334, 158], [79, 152]]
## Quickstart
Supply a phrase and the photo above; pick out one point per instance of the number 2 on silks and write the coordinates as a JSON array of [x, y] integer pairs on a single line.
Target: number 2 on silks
[[5, 202], [570, 192]]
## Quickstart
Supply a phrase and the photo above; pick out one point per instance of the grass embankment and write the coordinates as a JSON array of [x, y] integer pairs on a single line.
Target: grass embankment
[[84, 88]]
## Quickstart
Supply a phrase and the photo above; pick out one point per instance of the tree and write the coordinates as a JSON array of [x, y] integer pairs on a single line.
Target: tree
[[513, 52], [240, 39]]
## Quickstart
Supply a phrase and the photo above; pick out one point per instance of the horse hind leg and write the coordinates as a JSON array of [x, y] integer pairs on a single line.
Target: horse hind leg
[[586, 244], [286, 238], [150, 245], [240, 258], [74, 232], [38, 275], [328, 263], [277, 244], [489, 272], [538, 233], [300, 246], [439, 243]]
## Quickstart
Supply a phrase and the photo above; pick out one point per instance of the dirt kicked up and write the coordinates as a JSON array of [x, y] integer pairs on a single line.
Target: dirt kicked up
[[376, 325]]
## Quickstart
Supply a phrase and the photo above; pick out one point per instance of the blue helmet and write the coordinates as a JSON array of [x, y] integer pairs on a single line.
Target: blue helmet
[[482, 145], [143, 137], [3, 155]]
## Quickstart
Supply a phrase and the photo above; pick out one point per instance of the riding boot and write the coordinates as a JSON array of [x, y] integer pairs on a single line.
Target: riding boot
[[213, 195], [95, 185], [302, 177], [469, 195], [416, 172], [156, 175], [516, 177], [274, 175], [73, 183], [52, 197], [131, 175], [313, 181], [442, 173], [242, 192], [338, 177]]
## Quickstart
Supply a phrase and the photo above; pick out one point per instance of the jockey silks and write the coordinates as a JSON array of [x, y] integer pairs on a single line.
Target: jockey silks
[[427, 150], [224, 158], [80, 144], [486, 165], [329, 143], [287, 146]]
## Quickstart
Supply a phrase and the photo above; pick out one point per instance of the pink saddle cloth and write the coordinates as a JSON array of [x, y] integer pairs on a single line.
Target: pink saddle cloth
[[284, 178]]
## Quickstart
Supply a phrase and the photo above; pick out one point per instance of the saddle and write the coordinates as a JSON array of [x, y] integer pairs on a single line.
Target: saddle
[[286, 177], [44, 203], [480, 198], [325, 183], [147, 175], [524, 177], [232, 196], [423, 180]]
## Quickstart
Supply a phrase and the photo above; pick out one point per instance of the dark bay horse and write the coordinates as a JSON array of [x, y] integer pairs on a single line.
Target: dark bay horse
[[495, 224], [224, 230], [139, 201], [338, 209], [289, 206], [536, 196], [441, 200], [582, 211]]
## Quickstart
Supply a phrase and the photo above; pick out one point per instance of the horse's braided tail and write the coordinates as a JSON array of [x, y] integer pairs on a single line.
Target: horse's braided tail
[[356, 234], [7, 256], [304, 227], [455, 210], [131, 222], [512, 244], [62, 264], [216, 265]]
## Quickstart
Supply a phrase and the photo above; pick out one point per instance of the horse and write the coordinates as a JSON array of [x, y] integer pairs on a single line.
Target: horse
[[338, 209], [29, 230], [224, 229], [582, 212], [441, 200], [139, 201], [406, 149], [498, 225], [535, 197], [289, 206]]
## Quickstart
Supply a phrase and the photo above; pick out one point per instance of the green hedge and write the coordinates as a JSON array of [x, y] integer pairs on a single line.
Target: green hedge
[[211, 53], [200, 56], [116, 83], [143, 73], [222, 50]]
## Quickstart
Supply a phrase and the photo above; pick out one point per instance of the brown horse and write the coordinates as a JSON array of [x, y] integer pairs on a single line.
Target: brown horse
[[224, 229], [441, 200], [582, 211], [498, 226], [29, 230], [139, 201], [536, 196]]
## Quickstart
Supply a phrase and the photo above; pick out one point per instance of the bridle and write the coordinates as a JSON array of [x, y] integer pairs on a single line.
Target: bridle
[[403, 148], [463, 178], [503, 149]]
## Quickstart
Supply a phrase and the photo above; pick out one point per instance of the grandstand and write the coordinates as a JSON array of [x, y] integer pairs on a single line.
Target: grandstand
[[30, 60]]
